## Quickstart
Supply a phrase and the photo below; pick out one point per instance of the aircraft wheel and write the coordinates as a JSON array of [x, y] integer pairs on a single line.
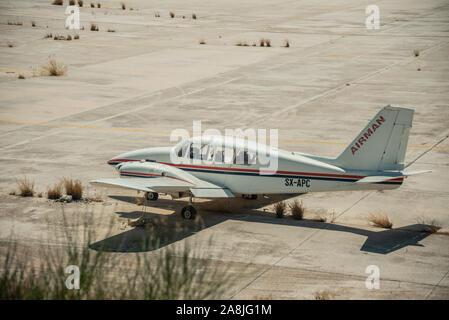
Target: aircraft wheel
[[188, 212], [152, 196], [253, 196]]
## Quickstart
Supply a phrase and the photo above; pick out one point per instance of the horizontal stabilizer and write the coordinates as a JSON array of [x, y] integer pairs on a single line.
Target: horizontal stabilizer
[[382, 178], [412, 173], [375, 179]]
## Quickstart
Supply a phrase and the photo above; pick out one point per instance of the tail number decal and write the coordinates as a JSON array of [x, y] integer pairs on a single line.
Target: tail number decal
[[297, 182]]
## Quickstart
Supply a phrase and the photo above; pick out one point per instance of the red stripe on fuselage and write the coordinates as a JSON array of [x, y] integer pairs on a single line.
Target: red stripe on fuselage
[[257, 171]]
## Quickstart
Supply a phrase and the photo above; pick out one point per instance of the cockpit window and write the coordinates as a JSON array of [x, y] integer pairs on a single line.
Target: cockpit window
[[183, 150], [198, 151]]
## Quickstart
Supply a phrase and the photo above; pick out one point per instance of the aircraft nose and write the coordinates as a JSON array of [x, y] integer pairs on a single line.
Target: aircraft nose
[[119, 159], [135, 155]]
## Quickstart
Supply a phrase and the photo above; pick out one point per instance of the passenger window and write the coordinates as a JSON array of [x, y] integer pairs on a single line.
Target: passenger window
[[245, 157], [223, 155], [210, 153]]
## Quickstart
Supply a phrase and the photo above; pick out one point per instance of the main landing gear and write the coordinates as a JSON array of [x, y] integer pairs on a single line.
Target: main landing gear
[[189, 212], [152, 196]]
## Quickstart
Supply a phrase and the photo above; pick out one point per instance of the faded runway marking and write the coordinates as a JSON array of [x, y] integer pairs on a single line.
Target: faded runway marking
[[66, 125]]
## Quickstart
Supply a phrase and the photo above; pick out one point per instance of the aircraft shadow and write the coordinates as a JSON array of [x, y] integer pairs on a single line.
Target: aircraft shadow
[[382, 242], [167, 229]]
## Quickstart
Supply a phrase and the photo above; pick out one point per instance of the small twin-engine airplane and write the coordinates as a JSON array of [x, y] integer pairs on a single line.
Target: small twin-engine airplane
[[224, 167]]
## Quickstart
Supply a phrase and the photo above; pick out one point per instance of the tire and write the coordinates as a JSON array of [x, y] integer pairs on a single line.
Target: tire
[[253, 196], [188, 212], [152, 196]]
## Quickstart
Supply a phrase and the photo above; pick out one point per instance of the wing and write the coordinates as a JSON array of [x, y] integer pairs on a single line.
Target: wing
[[161, 184], [158, 177], [166, 185]]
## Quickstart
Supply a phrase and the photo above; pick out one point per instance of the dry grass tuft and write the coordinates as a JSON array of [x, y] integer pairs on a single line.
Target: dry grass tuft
[[54, 68], [193, 16], [279, 208], [157, 14], [26, 188], [202, 41], [33, 23], [73, 188], [59, 37], [98, 5], [39, 195], [77, 190], [54, 192], [111, 30], [123, 6], [80, 3], [380, 220], [69, 37], [262, 42], [48, 35], [15, 23], [76, 36], [267, 42], [21, 76], [57, 2], [10, 45], [416, 53], [92, 5], [93, 27], [297, 209], [287, 44], [12, 193], [322, 295], [68, 185], [71, 2], [239, 44], [430, 225], [172, 14]]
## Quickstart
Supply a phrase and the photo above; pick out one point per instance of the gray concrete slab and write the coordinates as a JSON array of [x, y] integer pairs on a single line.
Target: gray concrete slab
[[130, 88]]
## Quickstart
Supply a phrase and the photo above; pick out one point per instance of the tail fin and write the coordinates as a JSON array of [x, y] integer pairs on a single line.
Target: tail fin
[[381, 145]]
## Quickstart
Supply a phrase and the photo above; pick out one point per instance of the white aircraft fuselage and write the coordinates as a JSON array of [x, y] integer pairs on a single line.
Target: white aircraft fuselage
[[296, 172], [222, 167]]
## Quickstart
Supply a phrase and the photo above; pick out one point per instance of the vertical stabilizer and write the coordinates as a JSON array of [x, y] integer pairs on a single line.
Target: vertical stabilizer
[[381, 145]]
